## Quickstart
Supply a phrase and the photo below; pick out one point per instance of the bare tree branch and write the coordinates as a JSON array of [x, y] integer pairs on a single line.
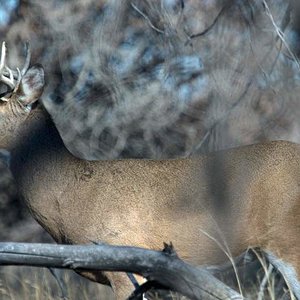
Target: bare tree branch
[[163, 267]]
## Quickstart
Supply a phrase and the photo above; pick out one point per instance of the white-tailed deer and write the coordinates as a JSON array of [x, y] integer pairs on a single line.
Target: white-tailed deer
[[249, 196]]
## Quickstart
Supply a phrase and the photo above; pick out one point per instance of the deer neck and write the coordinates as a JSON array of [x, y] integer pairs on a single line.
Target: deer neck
[[37, 137]]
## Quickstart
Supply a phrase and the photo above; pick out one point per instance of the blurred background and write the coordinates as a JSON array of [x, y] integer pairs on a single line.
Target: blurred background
[[152, 79]]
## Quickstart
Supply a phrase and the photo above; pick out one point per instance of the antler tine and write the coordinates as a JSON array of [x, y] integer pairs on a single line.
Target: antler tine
[[11, 75], [17, 84], [2, 58]]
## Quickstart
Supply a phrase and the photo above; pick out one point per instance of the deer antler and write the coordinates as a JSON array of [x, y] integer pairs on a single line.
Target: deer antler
[[9, 81], [9, 77]]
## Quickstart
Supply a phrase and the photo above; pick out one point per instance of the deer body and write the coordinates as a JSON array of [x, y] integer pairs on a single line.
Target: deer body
[[256, 201], [249, 196]]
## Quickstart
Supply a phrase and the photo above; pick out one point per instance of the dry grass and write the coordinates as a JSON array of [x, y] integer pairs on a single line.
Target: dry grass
[[28, 283]]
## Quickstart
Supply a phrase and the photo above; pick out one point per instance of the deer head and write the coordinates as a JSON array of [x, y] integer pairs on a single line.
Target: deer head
[[18, 91]]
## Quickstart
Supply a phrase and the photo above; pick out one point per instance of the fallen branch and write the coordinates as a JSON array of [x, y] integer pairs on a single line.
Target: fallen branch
[[164, 267]]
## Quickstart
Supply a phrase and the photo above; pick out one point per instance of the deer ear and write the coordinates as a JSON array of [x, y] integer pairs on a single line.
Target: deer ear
[[31, 85]]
